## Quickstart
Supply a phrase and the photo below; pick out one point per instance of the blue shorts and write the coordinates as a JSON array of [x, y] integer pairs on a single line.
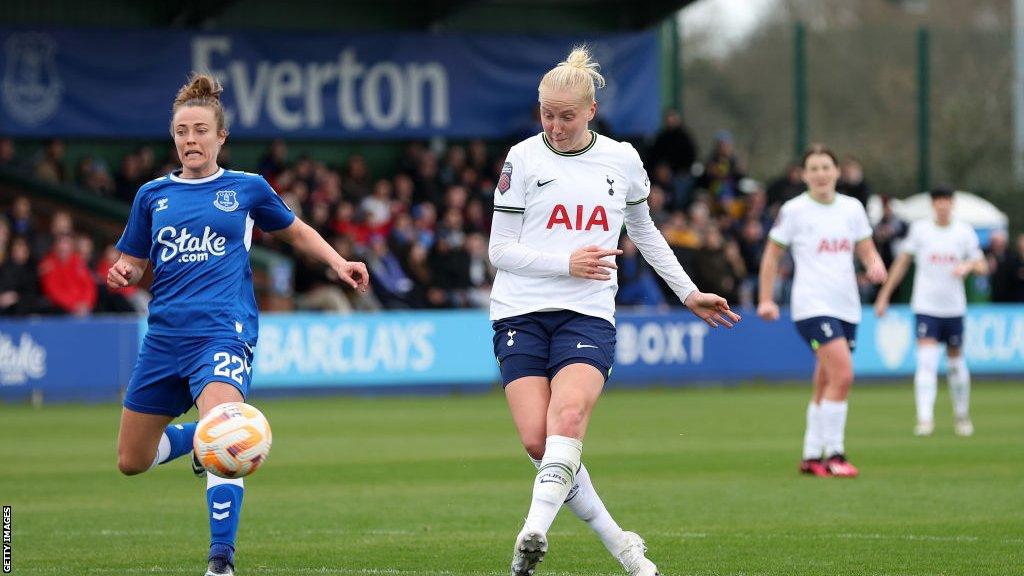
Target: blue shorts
[[823, 329], [172, 371], [949, 331], [542, 343]]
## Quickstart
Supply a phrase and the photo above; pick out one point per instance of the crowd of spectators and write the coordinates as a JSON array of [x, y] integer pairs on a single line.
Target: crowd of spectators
[[422, 228]]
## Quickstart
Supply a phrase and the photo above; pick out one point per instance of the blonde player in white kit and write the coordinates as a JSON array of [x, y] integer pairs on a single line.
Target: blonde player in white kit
[[559, 207], [944, 252], [823, 230]]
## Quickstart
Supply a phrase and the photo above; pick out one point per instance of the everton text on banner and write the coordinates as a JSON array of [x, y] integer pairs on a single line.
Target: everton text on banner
[[352, 86]]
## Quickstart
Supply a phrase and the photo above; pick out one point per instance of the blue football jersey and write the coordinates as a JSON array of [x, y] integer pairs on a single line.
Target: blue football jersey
[[197, 234]]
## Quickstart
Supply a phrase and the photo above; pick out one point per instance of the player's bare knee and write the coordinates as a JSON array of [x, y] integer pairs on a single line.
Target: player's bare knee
[[842, 381], [129, 465], [569, 420], [535, 448]]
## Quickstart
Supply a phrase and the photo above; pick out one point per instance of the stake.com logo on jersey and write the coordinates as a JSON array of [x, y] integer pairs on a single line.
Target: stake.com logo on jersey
[[192, 248]]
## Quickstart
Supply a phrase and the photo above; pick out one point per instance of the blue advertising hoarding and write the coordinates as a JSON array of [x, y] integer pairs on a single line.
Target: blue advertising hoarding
[[91, 359], [120, 83]]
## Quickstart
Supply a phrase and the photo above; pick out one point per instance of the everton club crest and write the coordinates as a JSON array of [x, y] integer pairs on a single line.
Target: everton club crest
[[226, 200]]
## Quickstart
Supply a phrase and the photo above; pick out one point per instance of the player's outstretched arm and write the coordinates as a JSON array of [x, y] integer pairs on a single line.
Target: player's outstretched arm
[[656, 251], [712, 309], [896, 273], [766, 306], [977, 266], [308, 241], [128, 270], [872, 261]]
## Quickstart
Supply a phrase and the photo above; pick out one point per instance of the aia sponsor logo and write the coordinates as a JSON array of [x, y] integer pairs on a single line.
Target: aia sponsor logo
[[834, 245], [560, 217], [937, 259]]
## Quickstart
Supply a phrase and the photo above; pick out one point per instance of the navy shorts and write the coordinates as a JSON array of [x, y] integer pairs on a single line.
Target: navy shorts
[[172, 371], [542, 343], [823, 329], [949, 331]]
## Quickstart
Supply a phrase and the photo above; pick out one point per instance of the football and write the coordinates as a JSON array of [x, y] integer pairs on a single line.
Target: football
[[232, 440]]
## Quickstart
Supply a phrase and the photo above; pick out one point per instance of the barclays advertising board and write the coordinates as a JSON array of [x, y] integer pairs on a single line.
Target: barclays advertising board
[[91, 359], [107, 83], [993, 341]]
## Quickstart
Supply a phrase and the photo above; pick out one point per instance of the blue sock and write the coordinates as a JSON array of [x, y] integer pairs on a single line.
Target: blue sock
[[224, 502], [179, 437]]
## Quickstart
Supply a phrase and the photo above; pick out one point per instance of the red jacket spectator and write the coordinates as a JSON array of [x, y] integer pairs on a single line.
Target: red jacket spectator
[[65, 278]]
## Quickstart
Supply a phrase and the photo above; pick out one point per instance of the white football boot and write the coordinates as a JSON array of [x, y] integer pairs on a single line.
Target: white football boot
[[963, 427], [924, 428], [531, 546], [633, 559]]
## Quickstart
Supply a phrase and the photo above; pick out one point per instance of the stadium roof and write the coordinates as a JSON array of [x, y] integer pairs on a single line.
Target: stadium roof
[[352, 15]]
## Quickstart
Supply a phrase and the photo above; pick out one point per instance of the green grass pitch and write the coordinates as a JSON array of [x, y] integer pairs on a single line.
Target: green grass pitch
[[440, 485]]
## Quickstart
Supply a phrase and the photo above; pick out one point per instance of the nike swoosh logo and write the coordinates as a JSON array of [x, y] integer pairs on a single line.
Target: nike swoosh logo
[[582, 345], [543, 184]]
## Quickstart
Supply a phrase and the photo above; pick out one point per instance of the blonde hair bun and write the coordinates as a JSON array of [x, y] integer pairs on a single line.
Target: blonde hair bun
[[577, 73]]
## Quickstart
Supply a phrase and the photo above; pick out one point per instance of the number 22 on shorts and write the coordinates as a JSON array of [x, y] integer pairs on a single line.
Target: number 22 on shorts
[[230, 366]]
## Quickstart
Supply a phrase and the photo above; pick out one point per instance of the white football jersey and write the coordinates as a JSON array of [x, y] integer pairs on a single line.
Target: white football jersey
[[822, 238], [937, 251], [568, 201]]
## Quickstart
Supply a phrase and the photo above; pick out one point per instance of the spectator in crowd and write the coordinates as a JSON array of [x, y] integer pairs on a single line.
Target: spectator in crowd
[[20, 218], [60, 225], [274, 161], [750, 239], [999, 259], [481, 271], [19, 282], [65, 278], [722, 172], [888, 232], [1007, 268], [92, 175], [129, 177], [637, 284], [449, 263], [673, 145], [9, 160], [786, 187], [315, 289], [50, 165], [389, 281], [851, 181], [719, 265], [357, 181]]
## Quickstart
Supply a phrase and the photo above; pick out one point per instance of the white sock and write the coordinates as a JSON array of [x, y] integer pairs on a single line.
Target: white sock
[[833, 416], [813, 444], [926, 382], [959, 387], [213, 480], [588, 506], [555, 478], [163, 450]]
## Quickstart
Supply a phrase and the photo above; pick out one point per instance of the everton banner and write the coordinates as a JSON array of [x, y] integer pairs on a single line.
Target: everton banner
[[103, 83]]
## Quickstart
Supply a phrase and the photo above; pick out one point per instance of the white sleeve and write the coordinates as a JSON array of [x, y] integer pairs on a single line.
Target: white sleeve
[[655, 250], [973, 245], [510, 192], [639, 183], [862, 226], [784, 229], [912, 244], [508, 254]]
